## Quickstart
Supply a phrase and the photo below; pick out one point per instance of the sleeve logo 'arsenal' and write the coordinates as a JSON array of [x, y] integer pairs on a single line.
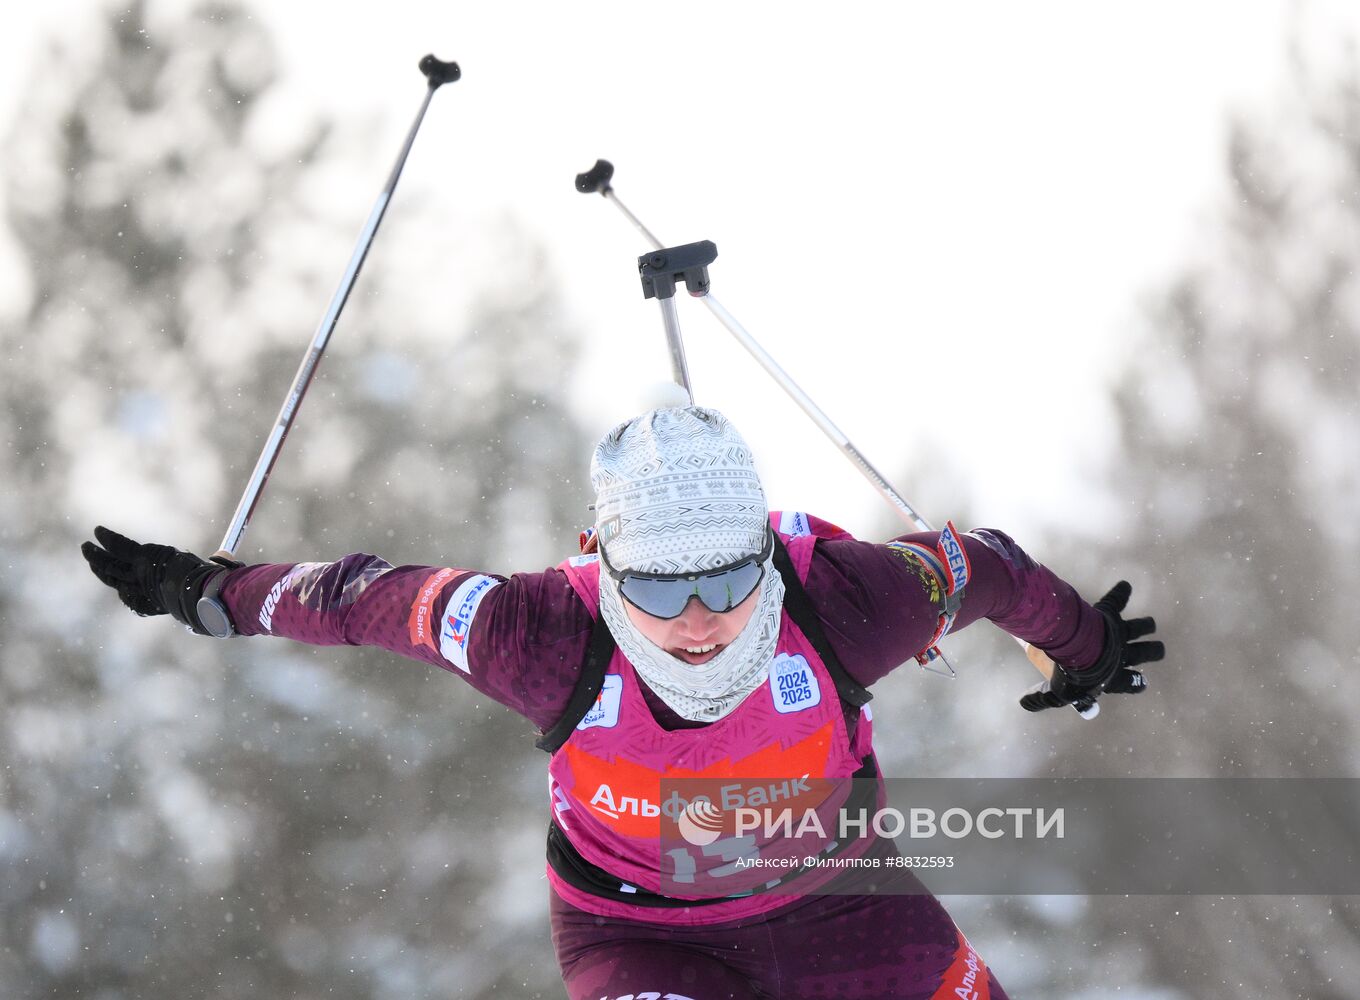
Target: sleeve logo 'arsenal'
[[458, 616], [956, 559]]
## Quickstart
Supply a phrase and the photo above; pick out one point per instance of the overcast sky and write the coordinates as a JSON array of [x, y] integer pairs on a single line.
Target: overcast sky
[[940, 219]]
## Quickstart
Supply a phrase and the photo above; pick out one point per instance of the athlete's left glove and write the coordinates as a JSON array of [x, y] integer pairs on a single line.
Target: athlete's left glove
[[160, 580], [1113, 673]]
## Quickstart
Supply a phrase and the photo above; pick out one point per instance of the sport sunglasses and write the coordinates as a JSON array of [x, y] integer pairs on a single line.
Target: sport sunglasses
[[665, 595]]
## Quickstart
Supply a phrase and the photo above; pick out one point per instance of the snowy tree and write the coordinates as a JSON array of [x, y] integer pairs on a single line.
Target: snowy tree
[[186, 818], [1239, 460]]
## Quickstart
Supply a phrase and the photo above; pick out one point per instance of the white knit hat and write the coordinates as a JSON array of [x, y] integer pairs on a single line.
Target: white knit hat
[[677, 492]]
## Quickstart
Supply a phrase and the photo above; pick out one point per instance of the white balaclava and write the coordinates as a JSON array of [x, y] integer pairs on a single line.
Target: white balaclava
[[676, 492]]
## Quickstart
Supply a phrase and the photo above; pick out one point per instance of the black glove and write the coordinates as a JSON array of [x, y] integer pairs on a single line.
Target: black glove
[[155, 579], [1113, 673]]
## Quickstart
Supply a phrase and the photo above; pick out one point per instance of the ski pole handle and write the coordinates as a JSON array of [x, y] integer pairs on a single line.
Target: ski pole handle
[[1088, 708], [438, 72], [596, 179]]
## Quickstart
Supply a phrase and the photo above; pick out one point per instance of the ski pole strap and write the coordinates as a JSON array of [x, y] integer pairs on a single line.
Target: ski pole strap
[[949, 563]]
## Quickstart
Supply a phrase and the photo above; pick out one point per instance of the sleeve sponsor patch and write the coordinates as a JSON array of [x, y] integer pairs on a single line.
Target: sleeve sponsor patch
[[793, 685], [456, 628], [794, 523], [420, 623]]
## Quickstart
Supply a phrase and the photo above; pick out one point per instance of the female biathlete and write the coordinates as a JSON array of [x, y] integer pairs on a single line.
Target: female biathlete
[[698, 635]]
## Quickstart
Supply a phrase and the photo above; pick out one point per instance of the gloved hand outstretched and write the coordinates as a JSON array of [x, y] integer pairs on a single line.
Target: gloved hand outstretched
[[154, 579], [1113, 673]]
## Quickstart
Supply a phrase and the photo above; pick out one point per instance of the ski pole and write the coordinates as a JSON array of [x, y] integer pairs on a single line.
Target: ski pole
[[211, 611], [597, 179], [437, 72]]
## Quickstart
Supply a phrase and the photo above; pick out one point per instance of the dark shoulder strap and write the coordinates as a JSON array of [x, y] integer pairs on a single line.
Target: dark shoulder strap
[[798, 606], [588, 685]]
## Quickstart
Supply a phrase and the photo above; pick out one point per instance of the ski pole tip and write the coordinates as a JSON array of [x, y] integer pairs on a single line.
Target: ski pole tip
[[439, 72], [596, 178]]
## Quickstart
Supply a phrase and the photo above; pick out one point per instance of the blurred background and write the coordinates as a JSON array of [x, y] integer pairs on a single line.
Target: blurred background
[[1083, 273]]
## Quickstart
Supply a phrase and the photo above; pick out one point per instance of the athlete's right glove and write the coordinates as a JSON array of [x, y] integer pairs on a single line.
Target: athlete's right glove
[[1113, 673], [160, 579]]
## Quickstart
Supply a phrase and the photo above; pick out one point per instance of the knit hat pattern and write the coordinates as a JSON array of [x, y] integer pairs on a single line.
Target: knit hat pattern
[[677, 492]]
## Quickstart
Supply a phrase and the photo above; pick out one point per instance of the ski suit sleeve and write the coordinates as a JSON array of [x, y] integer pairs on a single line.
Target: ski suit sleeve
[[519, 640], [879, 604]]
